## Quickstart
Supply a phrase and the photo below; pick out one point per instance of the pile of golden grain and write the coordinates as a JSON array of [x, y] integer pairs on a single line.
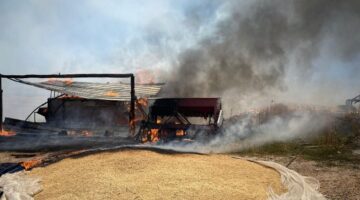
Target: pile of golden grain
[[141, 174]]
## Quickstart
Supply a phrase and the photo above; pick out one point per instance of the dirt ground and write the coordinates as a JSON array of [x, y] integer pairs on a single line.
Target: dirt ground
[[140, 174], [338, 181]]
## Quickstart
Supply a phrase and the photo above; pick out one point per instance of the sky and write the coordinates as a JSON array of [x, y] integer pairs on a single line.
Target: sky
[[90, 36], [101, 36], [124, 36]]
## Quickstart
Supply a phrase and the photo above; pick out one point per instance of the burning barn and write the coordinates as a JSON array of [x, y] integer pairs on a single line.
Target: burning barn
[[78, 106], [87, 108]]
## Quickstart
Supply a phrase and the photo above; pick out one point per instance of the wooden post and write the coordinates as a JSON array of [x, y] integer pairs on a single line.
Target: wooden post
[[132, 106]]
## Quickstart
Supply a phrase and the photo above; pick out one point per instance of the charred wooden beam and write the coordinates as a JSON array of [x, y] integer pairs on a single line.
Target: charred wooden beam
[[132, 106]]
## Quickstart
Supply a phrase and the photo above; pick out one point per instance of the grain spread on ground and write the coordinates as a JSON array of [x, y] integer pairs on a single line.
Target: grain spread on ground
[[141, 174]]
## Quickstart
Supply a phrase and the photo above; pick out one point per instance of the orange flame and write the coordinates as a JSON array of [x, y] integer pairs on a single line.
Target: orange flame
[[143, 102], [68, 81], [151, 135], [7, 133], [154, 135], [31, 163], [111, 94], [180, 132]]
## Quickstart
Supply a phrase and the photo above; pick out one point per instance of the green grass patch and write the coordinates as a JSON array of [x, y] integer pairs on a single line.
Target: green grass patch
[[329, 154]]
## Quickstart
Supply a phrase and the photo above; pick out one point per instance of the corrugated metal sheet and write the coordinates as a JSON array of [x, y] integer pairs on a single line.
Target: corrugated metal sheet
[[104, 91]]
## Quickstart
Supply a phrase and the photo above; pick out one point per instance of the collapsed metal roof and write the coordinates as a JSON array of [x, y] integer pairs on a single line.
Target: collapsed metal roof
[[103, 91]]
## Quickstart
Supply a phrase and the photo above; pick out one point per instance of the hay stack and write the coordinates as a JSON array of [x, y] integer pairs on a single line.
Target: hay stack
[[141, 174]]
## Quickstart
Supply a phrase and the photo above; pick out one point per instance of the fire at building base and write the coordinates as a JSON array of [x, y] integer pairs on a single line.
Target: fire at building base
[[98, 112]]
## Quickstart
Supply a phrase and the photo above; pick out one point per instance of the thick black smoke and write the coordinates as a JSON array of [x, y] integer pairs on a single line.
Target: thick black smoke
[[253, 43]]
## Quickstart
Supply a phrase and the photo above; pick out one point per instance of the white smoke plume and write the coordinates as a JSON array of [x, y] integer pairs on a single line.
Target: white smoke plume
[[244, 133]]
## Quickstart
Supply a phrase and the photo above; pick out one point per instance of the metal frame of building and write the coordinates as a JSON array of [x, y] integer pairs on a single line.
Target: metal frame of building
[[350, 102], [130, 75], [170, 116]]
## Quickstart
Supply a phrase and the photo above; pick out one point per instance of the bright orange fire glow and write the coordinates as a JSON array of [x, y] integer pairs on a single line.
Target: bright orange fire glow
[[111, 94], [154, 135], [143, 102], [68, 81], [7, 133], [31, 163], [158, 121], [86, 133], [180, 132]]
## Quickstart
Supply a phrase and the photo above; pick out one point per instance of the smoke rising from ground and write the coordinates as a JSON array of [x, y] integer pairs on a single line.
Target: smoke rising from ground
[[244, 134], [259, 47]]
